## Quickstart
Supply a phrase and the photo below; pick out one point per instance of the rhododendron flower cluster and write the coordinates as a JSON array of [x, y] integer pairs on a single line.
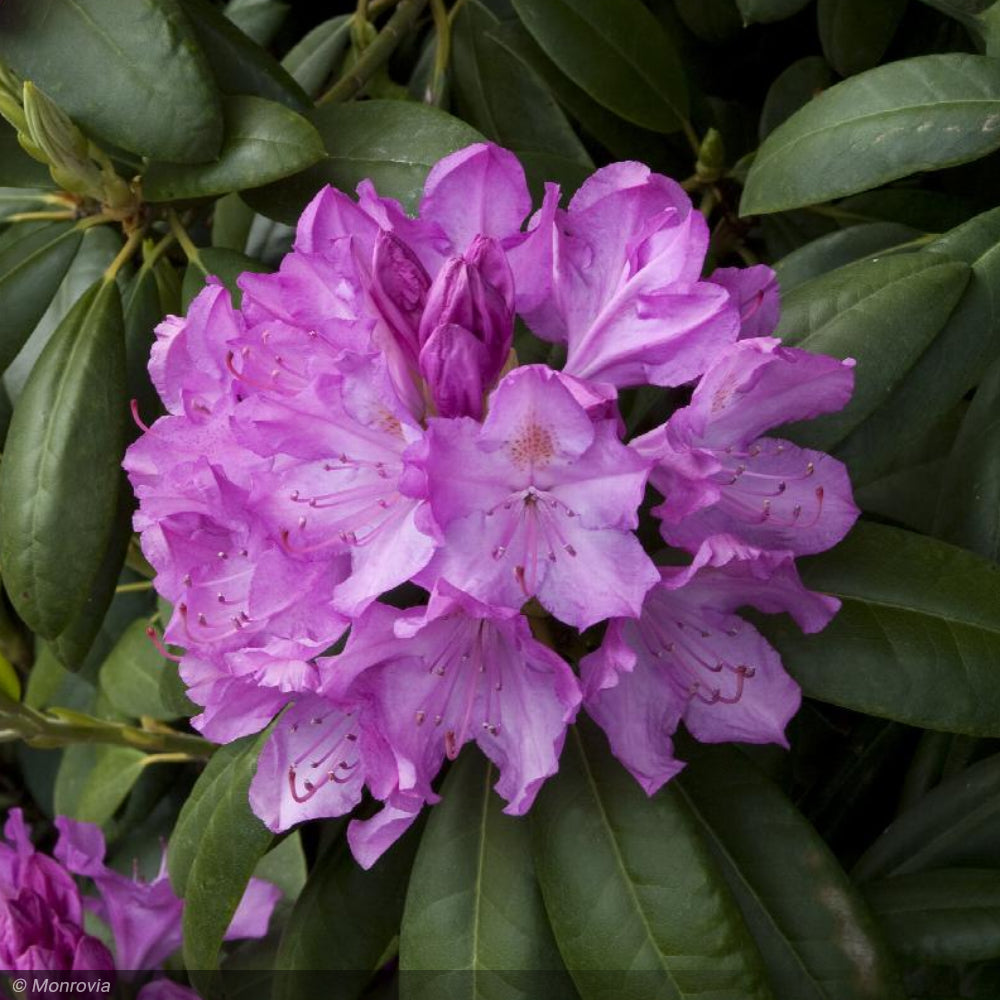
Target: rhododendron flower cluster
[[42, 910], [367, 514]]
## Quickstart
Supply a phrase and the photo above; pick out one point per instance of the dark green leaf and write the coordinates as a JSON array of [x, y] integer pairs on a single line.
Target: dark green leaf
[[214, 849], [768, 10], [837, 249], [951, 915], [93, 781], [917, 638], [131, 676], [856, 33], [143, 310], [618, 53], [814, 932], [239, 65], [474, 913], [258, 19], [713, 21], [156, 98], [316, 56], [883, 313], [75, 642], [17, 169], [60, 476], [226, 265], [968, 512], [264, 142], [955, 824], [951, 364], [395, 143], [792, 89], [916, 114], [346, 942], [231, 222], [31, 269], [630, 886], [503, 97]]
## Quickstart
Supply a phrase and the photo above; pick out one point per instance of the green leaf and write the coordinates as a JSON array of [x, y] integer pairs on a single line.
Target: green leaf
[[17, 169], [10, 683], [617, 52], [968, 512], [347, 942], [916, 114], [504, 98], [131, 676], [312, 60], [839, 248], [951, 915], [93, 781], [474, 923], [156, 99], [31, 270], [231, 222], [623, 139], [395, 143], [812, 927], [713, 21], [257, 19], [240, 65], [793, 88], [764, 11], [264, 142], [60, 477], [855, 33], [285, 866], [956, 824], [953, 362], [916, 640], [226, 265], [883, 313], [214, 850], [630, 886], [75, 641]]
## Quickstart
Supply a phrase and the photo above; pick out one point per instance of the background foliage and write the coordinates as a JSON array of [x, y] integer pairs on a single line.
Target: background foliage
[[852, 144]]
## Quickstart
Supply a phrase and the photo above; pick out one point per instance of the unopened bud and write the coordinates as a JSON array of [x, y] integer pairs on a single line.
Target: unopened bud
[[711, 157]]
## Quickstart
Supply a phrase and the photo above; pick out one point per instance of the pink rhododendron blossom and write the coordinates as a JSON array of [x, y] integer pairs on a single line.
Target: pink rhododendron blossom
[[42, 909], [719, 475], [356, 460]]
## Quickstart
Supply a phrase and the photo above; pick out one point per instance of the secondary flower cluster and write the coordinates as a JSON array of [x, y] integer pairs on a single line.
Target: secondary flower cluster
[[42, 910], [355, 451]]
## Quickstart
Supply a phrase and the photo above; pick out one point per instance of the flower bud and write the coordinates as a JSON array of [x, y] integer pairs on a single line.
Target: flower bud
[[467, 328], [399, 288]]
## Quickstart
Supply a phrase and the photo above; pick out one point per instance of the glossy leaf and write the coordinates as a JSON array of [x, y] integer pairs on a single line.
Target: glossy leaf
[[768, 10], [395, 143], [157, 99], [814, 931], [60, 478], [31, 269], [792, 89], [312, 60], [213, 852], [474, 924], [883, 313], [264, 141], [509, 104], [856, 33], [952, 363], [916, 114], [630, 886], [839, 248], [950, 915], [257, 19], [93, 781], [239, 65], [956, 824], [345, 942], [131, 676], [618, 53], [917, 638]]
